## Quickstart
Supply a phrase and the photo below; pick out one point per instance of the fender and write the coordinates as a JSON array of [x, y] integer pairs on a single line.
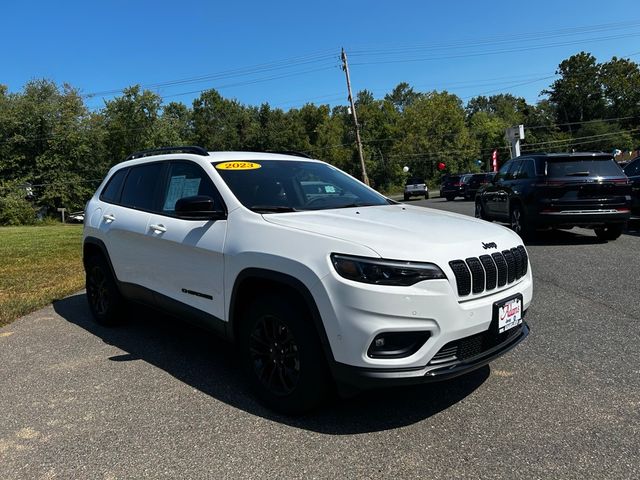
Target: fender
[[289, 281]]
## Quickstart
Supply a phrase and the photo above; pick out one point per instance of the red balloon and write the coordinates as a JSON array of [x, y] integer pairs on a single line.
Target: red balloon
[[441, 166]]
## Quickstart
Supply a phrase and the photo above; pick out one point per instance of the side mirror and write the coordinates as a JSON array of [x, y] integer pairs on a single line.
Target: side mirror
[[199, 207]]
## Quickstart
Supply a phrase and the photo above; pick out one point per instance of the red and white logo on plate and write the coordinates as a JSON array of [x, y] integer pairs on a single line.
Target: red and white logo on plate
[[509, 315]]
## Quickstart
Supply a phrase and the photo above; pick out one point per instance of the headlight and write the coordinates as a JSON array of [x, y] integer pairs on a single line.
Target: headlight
[[384, 272]]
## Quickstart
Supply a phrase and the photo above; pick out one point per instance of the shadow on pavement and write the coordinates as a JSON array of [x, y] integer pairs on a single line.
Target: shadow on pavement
[[562, 237], [207, 363]]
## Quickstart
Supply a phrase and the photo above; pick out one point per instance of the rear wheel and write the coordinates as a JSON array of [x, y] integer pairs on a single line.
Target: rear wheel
[[406, 197], [518, 222], [610, 232], [282, 355], [105, 302], [449, 198], [426, 196]]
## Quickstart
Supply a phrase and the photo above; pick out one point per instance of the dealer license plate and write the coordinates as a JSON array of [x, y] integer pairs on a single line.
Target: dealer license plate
[[509, 314]]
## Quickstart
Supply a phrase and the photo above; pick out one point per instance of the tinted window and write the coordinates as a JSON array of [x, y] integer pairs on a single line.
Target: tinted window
[[526, 170], [186, 179], [583, 167], [300, 185], [141, 185], [111, 191], [504, 170], [415, 181], [633, 169]]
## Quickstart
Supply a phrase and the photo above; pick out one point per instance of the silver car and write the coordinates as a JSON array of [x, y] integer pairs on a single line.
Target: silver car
[[415, 187]]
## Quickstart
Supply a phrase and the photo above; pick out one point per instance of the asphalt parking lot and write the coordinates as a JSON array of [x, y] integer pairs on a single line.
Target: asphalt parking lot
[[156, 398]]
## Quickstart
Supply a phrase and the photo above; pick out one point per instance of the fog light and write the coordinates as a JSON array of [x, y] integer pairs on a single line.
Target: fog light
[[397, 344]]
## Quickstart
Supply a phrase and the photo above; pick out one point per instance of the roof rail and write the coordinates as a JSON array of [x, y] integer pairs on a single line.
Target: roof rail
[[291, 152], [158, 151]]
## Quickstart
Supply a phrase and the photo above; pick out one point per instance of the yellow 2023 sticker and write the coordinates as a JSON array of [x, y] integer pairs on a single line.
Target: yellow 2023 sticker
[[238, 166]]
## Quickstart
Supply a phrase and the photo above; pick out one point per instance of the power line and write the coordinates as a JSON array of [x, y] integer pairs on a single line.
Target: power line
[[501, 51]]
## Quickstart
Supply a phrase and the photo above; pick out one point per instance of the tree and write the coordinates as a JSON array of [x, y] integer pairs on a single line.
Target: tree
[[621, 87], [578, 95]]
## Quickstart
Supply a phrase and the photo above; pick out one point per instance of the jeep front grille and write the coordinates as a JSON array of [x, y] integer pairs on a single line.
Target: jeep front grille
[[488, 272]]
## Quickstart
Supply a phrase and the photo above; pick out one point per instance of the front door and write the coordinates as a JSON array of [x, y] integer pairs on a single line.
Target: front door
[[187, 254]]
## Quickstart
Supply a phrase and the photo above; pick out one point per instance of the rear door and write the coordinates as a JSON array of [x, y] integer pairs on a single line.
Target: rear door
[[186, 255], [124, 225]]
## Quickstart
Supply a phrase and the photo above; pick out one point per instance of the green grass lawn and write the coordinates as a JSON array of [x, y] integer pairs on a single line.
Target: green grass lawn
[[37, 266]]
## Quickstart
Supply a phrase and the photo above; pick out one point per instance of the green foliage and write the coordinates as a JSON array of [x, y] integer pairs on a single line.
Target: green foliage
[[15, 210], [49, 138]]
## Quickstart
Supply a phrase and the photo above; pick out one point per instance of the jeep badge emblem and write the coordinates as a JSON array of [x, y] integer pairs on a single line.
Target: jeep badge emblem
[[489, 245]]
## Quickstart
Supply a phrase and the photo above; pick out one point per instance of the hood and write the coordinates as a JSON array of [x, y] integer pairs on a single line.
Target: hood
[[404, 232]]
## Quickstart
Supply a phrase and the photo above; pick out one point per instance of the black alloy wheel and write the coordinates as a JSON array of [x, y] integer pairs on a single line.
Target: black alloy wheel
[[274, 355], [98, 291], [281, 353], [479, 211], [105, 302]]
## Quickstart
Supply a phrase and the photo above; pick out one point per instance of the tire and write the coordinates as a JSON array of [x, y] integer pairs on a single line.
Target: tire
[[479, 211], [518, 222], [105, 301], [280, 331], [426, 196], [449, 198], [406, 197], [610, 232]]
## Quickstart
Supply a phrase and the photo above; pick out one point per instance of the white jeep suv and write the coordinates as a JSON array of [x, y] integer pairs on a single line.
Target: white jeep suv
[[317, 278]]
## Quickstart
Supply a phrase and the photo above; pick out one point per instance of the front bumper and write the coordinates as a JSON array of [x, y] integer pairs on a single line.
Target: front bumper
[[377, 377]]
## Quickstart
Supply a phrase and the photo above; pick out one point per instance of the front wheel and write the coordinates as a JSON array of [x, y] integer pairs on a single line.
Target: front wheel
[[479, 211], [282, 356], [406, 197], [610, 232]]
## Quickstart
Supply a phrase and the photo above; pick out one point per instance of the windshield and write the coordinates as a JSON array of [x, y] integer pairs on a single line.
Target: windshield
[[583, 167], [273, 186]]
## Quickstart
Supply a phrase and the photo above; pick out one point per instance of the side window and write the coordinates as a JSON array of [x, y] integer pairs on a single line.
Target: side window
[[526, 170], [140, 187], [186, 179], [111, 191], [633, 169], [504, 171]]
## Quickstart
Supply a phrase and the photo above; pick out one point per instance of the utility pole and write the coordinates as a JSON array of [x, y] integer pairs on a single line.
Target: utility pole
[[345, 67]]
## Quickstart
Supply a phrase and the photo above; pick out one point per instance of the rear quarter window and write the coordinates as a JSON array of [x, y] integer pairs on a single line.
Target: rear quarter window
[[111, 191]]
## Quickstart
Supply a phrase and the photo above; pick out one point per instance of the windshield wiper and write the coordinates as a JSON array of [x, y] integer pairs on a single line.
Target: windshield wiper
[[271, 209], [353, 205]]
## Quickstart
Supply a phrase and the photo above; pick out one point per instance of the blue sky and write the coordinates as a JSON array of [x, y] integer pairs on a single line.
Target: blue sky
[[286, 53]]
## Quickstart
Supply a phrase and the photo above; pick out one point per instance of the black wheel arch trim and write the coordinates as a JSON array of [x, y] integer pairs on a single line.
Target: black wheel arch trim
[[288, 281], [96, 242]]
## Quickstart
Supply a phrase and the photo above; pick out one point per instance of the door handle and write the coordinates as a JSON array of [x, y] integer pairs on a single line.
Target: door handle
[[108, 218], [158, 228]]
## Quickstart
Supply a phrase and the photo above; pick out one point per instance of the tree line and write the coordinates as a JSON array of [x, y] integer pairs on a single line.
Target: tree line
[[54, 150]]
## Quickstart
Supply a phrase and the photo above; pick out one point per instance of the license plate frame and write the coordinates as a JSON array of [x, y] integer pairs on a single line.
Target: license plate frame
[[507, 314]]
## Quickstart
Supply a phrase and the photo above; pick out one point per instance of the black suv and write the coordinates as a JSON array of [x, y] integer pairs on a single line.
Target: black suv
[[632, 170], [562, 190], [476, 180], [453, 186]]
